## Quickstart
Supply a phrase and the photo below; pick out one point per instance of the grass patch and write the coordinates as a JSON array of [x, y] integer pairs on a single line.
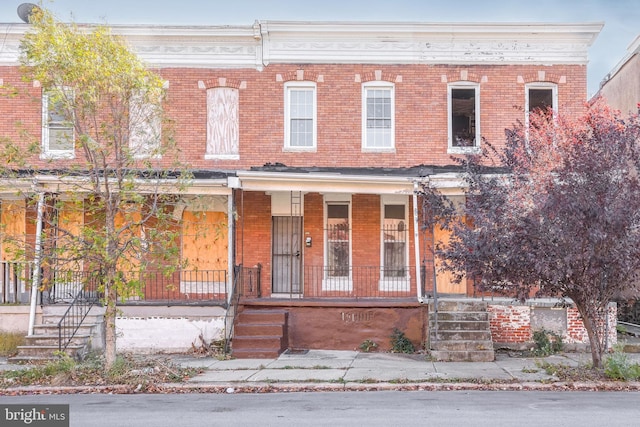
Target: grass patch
[[9, 342], [127, 370], [573, 373], [618, 366]]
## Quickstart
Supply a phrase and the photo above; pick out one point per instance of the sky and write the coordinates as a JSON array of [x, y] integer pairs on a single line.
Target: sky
[[621, 17]]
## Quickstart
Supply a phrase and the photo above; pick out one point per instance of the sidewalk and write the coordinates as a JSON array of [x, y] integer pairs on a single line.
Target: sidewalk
[[345, 367], [332, 370]]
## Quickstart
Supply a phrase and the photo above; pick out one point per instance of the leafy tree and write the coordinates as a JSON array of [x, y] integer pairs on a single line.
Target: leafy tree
[[556, 211], [125, 176]]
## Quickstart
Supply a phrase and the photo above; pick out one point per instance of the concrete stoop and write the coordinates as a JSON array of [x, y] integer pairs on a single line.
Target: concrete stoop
[[43, 345], [260, 334], [459, 331]]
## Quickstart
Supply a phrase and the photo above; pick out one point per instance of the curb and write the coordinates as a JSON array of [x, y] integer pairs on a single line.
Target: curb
[[284, 387]]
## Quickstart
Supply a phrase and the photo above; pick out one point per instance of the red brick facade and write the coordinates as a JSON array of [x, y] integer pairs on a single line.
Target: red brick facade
[[337, 166], [512, 325]]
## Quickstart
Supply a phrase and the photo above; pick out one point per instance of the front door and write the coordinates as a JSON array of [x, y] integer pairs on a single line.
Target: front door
[[287, 255]]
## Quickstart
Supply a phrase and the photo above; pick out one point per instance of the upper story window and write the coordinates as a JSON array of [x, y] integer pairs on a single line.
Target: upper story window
[[300, 116], [378, 122], [540, 97], [145, 128], [464, 117], [222, 123], [57, 127]]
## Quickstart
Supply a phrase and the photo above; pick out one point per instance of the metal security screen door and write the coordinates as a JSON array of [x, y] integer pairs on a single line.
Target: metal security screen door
[[287, 255]]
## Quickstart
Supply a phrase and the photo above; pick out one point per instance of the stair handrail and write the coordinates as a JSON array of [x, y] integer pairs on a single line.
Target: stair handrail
[[233, 307], [72, 319]]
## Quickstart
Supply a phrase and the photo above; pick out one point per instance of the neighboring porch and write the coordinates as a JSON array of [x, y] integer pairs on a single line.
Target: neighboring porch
[[167, 312]]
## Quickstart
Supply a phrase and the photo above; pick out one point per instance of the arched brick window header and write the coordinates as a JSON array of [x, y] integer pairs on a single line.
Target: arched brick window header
[[222, 82]]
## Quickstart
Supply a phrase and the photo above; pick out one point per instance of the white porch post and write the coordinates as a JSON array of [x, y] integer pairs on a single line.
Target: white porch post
[[35, 282], [416, 243]]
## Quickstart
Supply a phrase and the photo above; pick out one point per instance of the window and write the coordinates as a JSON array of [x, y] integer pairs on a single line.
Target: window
[[378, 124], [394, 275], [338, 233], [394, 241], [300, 116], [540, 97], [57, 126], [464, 117], [222, 123], [145, 127]]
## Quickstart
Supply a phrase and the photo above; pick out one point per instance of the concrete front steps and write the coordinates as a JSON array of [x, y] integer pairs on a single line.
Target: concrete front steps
[[459, 331], [260, 334], [43, 345]]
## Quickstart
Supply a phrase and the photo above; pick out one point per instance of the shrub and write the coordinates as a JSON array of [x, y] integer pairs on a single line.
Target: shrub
[[547, 342], [400, 343], [617, 366], [368, 346]]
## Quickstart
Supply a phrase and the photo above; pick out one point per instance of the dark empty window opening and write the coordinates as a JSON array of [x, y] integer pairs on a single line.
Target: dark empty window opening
[[540, 99], [463, 117]]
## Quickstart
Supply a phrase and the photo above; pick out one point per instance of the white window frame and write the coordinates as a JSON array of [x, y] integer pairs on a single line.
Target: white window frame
[[540, 85], [378, 85], [393, 284], [337, 283], [451, 149], [47, 152], [289, 88]]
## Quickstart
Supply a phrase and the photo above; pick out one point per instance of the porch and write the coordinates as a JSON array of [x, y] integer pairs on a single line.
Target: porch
[[347, 284]]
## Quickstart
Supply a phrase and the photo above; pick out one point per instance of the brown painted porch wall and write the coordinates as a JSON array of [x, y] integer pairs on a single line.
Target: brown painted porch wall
[[345, 327]]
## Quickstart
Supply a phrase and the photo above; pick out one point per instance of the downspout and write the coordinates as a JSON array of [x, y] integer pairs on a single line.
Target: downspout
[[35, 282], [416, 245]]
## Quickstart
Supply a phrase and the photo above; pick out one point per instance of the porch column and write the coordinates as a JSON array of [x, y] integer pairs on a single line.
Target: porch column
[[35, 283], [416, 243]]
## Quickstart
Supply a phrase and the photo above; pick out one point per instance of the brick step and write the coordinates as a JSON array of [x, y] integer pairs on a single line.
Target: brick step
[[253, 329], [463, 356], [457, 325], [260, 334], [460, 335], [262, 316], [257, 342], [463, 345], [461, 315]]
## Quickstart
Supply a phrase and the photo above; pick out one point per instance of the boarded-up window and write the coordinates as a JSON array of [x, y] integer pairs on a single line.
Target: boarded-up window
[[204, 240], [222, 122]]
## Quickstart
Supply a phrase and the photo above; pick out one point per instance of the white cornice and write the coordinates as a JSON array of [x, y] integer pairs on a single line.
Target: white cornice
[[428, 43], [269, 42]]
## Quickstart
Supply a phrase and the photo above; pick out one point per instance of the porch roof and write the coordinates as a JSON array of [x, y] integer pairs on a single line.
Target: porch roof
[[373, 180]]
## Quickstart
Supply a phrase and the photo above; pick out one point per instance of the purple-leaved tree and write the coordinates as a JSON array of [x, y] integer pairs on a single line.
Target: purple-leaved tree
[[556, 211]]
